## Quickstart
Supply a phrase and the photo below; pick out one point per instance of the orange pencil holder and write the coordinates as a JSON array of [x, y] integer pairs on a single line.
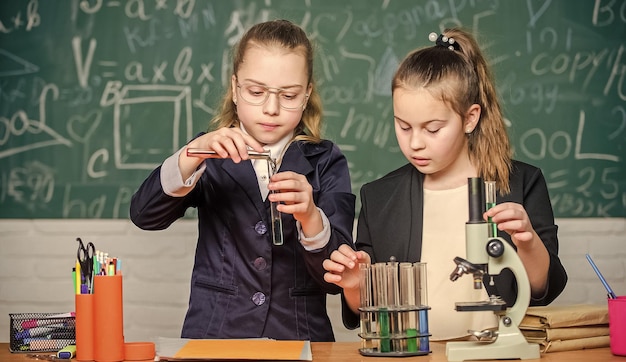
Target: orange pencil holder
[[84, 327], [108, 319]]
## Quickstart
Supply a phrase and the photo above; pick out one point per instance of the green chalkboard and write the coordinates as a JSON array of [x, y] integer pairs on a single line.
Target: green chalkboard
[[96, 93]]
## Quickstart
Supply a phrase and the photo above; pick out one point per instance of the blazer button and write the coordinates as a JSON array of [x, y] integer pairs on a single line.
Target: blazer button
[[258, 298], [260, 263], [260, 228]]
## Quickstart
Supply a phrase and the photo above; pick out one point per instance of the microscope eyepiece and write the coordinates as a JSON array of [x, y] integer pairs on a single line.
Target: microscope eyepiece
[[476, 194]]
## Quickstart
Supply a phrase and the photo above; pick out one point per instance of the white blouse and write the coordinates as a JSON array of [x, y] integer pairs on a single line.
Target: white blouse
[[445, 215]]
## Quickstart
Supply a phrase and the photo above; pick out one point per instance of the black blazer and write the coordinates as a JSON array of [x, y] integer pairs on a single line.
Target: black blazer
[[242, 286], [391, 218]]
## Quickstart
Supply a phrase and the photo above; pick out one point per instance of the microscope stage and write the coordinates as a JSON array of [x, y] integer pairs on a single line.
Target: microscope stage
[[480, 306]]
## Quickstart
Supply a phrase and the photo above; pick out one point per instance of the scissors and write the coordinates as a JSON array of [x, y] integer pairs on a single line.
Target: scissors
[[85, 258]]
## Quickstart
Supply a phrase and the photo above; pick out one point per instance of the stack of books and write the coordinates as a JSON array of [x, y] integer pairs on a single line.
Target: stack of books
[[567, 327]]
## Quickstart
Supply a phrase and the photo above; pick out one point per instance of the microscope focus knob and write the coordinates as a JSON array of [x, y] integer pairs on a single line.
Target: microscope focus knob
[[495, 248]]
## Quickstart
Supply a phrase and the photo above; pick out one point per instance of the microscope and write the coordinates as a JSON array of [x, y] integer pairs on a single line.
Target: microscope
[[488, 255]]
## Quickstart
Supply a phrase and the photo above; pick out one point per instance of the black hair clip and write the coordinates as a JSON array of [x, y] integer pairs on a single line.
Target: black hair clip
[[444, 41]]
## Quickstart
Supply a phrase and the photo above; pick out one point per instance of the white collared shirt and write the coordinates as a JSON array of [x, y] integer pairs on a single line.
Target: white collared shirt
[[261, 166]]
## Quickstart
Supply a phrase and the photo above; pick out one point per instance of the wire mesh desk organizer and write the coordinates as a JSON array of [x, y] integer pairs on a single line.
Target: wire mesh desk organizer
[[394, 311], [277, 223], [41, 332]]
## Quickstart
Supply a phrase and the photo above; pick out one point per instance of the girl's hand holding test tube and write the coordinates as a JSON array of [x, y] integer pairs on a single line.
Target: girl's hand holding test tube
[[293, 194], [514, 220], [290, 192]]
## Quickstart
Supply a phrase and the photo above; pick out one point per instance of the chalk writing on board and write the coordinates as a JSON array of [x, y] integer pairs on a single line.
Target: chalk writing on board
[[95, 94]]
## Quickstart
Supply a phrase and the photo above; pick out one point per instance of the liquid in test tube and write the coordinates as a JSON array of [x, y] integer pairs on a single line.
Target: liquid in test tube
[[490, 200], [408, 300], [422, 295], [277, 222]]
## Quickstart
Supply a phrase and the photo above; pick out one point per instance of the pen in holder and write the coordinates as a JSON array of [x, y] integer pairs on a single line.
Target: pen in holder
[[394, 311]]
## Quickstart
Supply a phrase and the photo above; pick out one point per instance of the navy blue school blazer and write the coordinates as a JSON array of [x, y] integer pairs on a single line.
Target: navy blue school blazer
[[391, 218], [243, 286]]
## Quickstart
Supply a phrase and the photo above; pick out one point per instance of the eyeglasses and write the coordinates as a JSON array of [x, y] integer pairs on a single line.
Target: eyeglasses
[[256, 95]]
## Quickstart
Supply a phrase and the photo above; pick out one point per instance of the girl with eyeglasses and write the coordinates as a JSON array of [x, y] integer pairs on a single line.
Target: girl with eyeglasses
[[243, 285]]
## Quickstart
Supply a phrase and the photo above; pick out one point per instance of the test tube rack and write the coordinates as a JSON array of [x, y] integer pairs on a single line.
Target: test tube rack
[[394, 311]]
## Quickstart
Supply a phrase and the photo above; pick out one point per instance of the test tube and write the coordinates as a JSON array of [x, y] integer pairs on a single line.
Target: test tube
[[380, 277], [408, 290], [393, 300], [365, 285], [204, 153], [365, 288], [422, 295], [490, 200], [277, 222]]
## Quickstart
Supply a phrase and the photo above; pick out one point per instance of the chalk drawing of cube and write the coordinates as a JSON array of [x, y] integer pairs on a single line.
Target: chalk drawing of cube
[[150, 122]]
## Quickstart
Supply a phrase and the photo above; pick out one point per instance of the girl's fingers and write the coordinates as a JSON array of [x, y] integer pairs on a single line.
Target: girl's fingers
[[332, 266], [332, 278], [342, 259]]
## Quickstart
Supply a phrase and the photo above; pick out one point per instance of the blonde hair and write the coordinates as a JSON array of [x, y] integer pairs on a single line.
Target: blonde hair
[[461, 78], [277, 34]]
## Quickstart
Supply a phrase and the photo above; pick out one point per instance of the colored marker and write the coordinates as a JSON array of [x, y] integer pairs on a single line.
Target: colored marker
[[49, 344], [62, 334], [53, 319], [68, 352], [38, 331], [77, 277], [606, 285]]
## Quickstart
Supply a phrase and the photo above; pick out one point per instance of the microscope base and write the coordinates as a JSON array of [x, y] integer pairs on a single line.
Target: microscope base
[[506, 346]]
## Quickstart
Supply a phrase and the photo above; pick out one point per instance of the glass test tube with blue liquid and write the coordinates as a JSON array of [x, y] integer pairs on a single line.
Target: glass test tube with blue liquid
[[422, 296]]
